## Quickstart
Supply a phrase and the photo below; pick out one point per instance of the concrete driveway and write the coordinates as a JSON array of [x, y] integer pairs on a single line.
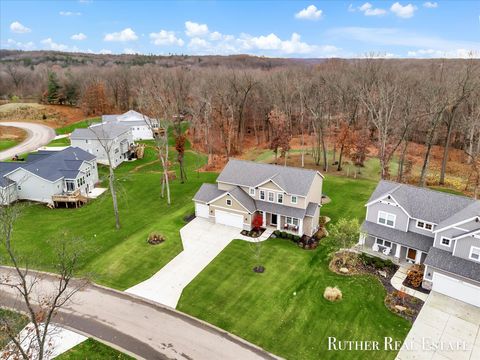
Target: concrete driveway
[[37, 136], [202, 242], [444, 322]]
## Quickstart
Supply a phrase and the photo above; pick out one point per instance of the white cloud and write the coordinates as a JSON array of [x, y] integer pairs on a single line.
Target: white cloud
[[369, 10], [272, 42], [18, 28], [69, 13], [351, 8], [430, 5], [19, 45], [79, 36], [309, 13], [164, 37], [52, 45], [199, 43], [105, 51], [125, 35], [193, 29], [405, 12], [433, 53]]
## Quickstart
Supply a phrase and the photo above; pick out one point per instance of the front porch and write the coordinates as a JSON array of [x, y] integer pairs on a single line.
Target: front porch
[[386, 249], [280, 222]]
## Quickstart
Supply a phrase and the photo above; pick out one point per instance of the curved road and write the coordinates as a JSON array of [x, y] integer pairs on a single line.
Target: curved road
[[147, 329], [37, 135]]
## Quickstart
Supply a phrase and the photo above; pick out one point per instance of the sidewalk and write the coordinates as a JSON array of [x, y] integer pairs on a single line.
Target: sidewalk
[[397, 283]]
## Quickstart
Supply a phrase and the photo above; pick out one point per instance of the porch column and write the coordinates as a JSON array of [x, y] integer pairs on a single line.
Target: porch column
[[279, 220], [264, 218], [300, 227], [361, 239], [418, 257], [397, 251]]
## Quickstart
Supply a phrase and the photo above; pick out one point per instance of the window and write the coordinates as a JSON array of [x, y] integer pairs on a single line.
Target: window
[[70, 185], [385, 243], [292, 221], [262, 195], [271, 196], [229, 202], [294, 199], [252, 191], [424, 225], [280, 198], [475, 253], [445, 241], [386, 219]]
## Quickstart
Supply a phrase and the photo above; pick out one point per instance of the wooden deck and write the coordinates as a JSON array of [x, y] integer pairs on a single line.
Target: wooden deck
[[70, 200]]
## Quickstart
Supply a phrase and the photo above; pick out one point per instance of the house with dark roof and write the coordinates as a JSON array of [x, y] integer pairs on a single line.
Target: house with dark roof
[[287, 198], [103, 139], [140, 125], [422, 226], [46, 174]]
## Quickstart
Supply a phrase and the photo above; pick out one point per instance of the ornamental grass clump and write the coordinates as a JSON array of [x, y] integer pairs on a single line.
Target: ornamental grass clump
[[332, 294]]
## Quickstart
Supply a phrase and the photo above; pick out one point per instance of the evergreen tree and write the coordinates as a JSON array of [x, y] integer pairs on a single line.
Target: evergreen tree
[[53, 87]]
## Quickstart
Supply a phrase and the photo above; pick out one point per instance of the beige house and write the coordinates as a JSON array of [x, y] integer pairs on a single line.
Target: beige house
[[287, 198]]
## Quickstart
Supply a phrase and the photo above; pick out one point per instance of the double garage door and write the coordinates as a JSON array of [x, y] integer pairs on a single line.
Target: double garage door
[[221, 217], [456, 289]]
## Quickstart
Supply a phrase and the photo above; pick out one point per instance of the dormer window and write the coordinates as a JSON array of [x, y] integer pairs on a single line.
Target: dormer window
[[252, 191]]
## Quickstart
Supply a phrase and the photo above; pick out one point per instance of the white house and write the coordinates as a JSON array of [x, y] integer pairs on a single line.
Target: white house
[[141, 125], [46, 174], [99, 138]]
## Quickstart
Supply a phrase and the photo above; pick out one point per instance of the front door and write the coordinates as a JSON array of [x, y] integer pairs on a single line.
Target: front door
[[411, 254], [274, 219]]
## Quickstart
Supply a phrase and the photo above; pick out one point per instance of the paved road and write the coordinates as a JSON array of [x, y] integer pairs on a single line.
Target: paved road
[[38, 135], [146, 329]]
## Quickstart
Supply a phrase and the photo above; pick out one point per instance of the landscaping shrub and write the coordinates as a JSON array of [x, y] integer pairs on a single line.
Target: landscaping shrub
[[322, 221], [277, 233], [415, 275], [332, 294], [296, 238], [376, 262], [155, 238]]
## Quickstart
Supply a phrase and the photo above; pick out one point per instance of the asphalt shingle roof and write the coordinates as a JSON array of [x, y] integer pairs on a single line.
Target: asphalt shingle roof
[[207, 192], [244, 199], [130, 118], [445, 261], [410, 239], [421, 203], [104, 131], [293, 180], [311, 208]]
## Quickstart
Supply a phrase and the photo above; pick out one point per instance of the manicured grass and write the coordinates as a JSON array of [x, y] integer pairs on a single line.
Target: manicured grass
[[60, 142], [78, 125], [16, 320], [122, 258], [7, 144], [93, 350], [283, 310]]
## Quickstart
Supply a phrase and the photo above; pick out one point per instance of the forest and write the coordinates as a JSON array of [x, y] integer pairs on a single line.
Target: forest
[[421, 115]]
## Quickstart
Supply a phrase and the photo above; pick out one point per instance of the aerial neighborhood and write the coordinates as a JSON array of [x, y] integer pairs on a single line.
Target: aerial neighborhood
[[239, 180]]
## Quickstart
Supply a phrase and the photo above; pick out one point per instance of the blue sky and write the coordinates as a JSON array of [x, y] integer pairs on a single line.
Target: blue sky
[[270, 28]]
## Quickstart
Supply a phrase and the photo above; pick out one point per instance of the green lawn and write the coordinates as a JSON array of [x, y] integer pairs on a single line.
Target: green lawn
[[283, 309], [16, 320], [118, 259], [93, 350], [59, 142], [78, 125], [7, 144]]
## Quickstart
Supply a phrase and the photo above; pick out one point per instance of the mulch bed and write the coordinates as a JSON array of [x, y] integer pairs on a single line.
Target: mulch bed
[[255, 233], [189, 218], [356, 266], [406, 283]]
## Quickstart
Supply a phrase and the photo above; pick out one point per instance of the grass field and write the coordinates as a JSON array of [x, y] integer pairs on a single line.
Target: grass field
[[7, 144], [78, 125], [17, 320], [283, 309], [60, 142], [93, 350]]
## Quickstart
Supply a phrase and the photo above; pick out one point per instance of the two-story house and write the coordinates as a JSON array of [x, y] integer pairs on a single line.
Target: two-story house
[[103, 140], [142, 126], [287, 198], [423, 226], [46, 174]]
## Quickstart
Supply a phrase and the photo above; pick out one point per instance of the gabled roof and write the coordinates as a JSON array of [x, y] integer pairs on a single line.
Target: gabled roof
[[243, 198], [296, 181], [469, 212], [421, 203], [207, 192], [445, 261], [129, 118], [103, 131], [52, 165]]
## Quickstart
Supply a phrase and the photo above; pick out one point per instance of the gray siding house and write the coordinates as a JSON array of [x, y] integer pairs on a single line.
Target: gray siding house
[[287, 198], [99, 138], [46, 174], [140, 125], [423, 226]]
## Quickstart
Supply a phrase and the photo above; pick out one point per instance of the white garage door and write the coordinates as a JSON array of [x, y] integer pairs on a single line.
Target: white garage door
[[201, 210], [456, 289], [225, 218]]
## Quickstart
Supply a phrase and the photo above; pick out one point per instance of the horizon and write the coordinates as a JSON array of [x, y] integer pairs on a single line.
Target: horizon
[[289, 30]]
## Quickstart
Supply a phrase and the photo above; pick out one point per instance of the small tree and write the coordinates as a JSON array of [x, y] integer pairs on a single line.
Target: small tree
[[346, 232], [257, 221], [280, 133]]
